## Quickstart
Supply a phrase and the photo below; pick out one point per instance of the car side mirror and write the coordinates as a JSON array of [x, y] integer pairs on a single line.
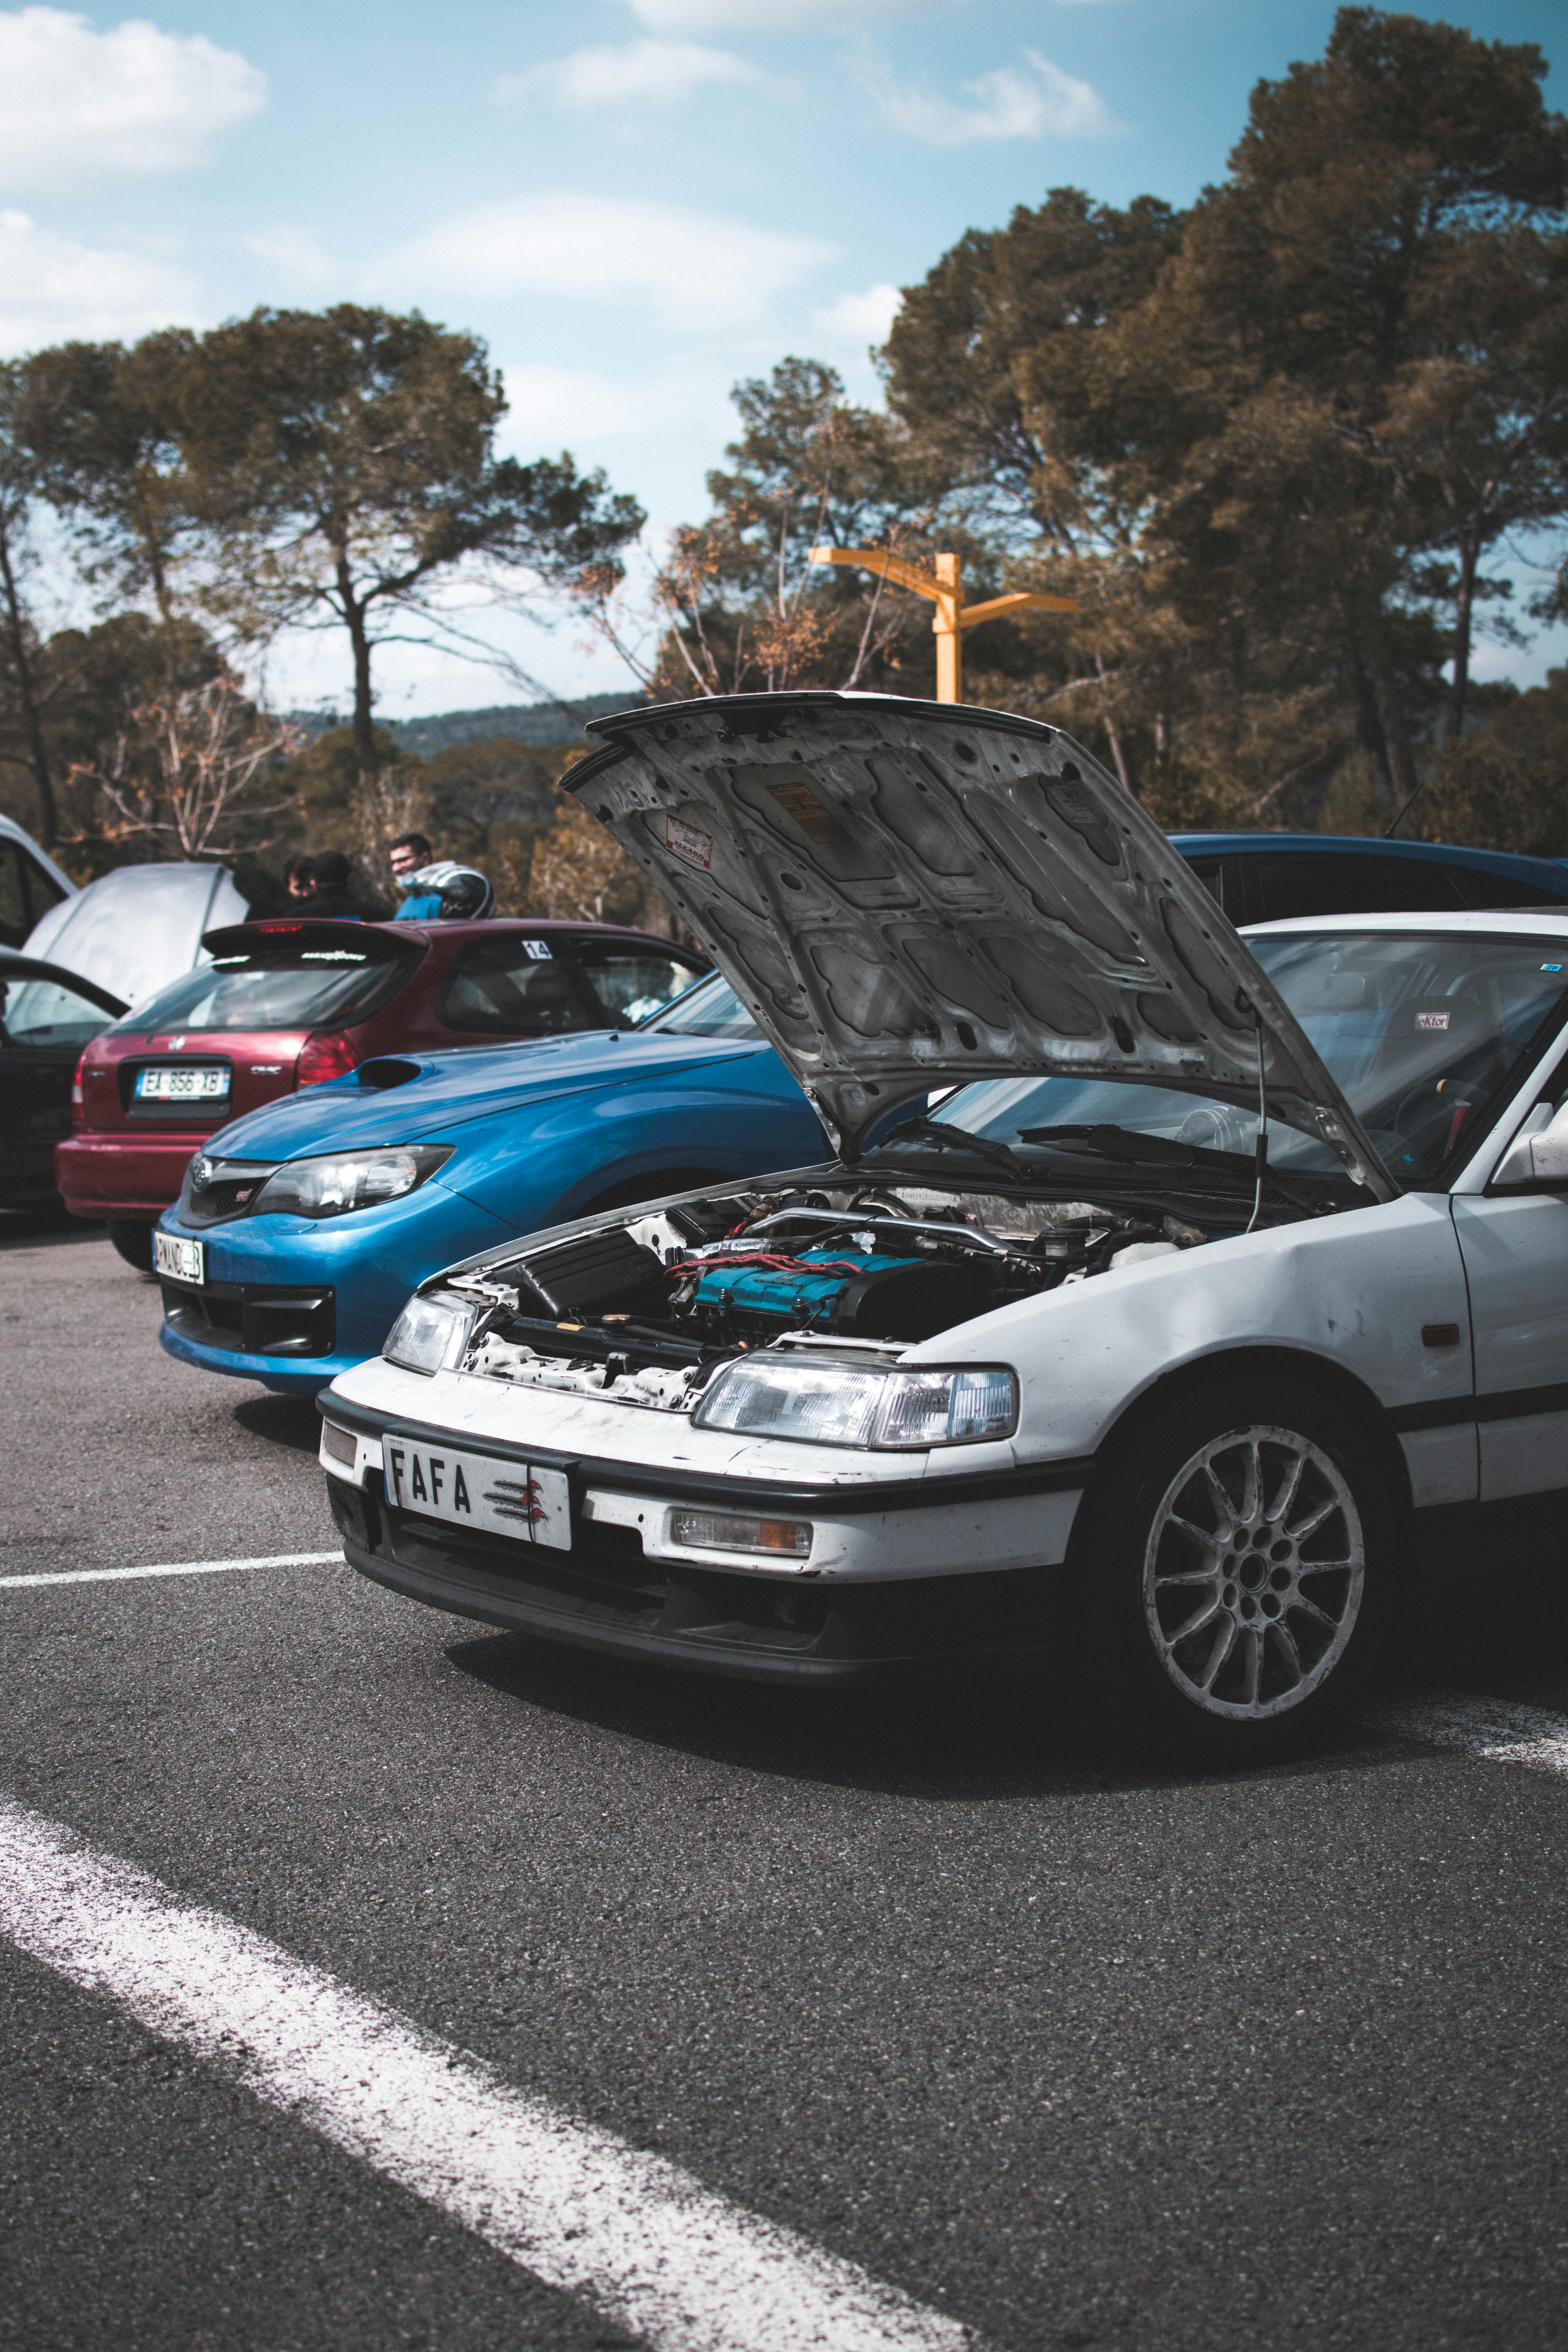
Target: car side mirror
[[1539, 1152]]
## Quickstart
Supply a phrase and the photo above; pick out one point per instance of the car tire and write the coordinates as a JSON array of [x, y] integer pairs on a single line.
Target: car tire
[[1231, 1573], [134, 1241]]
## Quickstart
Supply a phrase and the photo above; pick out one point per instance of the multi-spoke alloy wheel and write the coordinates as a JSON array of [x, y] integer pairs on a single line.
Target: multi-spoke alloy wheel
[[1253, 1574]]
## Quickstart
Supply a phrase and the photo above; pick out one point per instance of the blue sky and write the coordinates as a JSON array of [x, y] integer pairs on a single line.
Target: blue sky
[[634, 202]]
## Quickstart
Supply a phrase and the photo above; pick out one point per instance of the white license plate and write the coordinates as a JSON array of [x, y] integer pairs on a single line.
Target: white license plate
[[196, 1082], [474, 1490], [181, 1260]]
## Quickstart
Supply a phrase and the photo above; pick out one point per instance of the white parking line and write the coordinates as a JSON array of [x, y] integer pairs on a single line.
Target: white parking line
[[635, 2237], [166, 1568], [1500, 1730]]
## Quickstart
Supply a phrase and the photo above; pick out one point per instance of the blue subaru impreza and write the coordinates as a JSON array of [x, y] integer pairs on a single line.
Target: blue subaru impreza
[[301, 1229]]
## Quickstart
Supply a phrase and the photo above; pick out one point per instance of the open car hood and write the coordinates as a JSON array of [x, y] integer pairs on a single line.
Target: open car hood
[[913, 895]]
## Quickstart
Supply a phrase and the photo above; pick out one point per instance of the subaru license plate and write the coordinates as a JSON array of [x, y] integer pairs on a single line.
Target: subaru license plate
[[475, 1490], [192, 1082], [180, 1260]]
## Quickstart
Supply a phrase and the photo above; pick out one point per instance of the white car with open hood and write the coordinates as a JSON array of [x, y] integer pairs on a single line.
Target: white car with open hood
[[1196, 1272]]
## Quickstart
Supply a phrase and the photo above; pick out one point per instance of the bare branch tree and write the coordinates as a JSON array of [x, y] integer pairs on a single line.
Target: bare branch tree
[[186, 767]]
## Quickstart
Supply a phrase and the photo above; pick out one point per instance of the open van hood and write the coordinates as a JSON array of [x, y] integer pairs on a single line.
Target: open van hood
[[913, 895]]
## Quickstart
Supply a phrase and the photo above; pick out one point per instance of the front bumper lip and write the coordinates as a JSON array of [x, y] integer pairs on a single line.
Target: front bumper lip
[[834, 1652]]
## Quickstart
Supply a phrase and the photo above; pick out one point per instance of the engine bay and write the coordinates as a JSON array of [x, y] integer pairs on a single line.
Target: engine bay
[[647, 1310]]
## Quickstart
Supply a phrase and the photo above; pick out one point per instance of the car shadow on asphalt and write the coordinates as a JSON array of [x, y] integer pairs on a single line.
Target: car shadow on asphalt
[[1487, 1612], [288, 1420], [42, 1228], [961, 1740]]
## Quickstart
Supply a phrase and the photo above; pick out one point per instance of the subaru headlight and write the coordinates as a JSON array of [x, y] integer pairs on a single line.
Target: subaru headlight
[[842, 1404], [341, 1180], [429, 1336]]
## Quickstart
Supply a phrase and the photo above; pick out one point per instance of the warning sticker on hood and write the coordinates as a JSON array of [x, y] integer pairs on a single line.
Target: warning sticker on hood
[[697, 848], [816, 820]]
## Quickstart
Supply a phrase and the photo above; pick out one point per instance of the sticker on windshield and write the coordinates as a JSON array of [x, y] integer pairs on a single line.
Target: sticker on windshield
[[1551, 967], [815, 818], [1432, 1019], [697, 848], [538, 950]]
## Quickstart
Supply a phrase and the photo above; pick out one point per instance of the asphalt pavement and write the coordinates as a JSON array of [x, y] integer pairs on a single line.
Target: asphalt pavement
[[1062, 2049]]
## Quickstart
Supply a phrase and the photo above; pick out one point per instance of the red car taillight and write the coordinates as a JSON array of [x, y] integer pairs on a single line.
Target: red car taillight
[[327, 1054], [78, 1100]]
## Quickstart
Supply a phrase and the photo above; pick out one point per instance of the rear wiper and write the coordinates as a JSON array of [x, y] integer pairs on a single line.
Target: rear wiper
[[923, 1127]]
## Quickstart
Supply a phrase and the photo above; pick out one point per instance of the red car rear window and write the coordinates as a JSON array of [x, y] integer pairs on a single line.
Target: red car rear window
[[285, 984]]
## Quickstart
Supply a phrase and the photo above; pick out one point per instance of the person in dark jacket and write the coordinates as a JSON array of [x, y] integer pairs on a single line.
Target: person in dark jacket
[[330, 891]]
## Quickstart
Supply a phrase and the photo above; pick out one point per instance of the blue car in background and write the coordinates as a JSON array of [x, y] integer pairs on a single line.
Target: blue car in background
[[301, 1229], [1278, 878]]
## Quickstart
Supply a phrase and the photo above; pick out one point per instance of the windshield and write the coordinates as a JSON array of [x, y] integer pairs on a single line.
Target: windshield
[[299, 987], [711, 1009], [1421, 1034]]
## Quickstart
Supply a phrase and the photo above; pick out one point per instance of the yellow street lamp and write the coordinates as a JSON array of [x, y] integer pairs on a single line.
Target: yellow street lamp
[[945, 588]]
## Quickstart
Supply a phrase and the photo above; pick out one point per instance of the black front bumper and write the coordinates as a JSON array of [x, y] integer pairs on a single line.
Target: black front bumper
[[253, 1319], [603, 1595]]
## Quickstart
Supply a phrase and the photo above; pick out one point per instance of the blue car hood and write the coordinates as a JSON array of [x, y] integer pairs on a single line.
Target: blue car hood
[[356, 1113]]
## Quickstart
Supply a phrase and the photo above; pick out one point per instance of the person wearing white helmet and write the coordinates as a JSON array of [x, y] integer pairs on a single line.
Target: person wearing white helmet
[[439, 890], [461, 893], [409, 856]]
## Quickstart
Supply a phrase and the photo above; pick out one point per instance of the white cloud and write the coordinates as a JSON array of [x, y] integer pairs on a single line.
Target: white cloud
[[53, 289], [296, 255], [653, 73], [548, 407], [701, 269], [861, 319], [762, 16], [78, 106], [1012, 102]]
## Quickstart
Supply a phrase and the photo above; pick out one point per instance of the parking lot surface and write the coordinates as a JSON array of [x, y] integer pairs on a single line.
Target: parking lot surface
[[1034, 2041]]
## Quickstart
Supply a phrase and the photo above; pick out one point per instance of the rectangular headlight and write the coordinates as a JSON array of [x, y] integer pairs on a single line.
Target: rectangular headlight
[[429, 1336], [947, 1408], [728, 1531], [840, 1405], [821, 1404]]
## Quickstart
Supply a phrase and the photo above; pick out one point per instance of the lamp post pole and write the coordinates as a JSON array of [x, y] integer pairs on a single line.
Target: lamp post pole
[[944, 586]]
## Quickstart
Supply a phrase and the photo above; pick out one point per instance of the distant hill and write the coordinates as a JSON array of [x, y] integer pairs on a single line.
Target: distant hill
[[525, 722]]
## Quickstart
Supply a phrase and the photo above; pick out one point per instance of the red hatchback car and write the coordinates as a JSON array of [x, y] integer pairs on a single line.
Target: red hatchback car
[[285, 1003]]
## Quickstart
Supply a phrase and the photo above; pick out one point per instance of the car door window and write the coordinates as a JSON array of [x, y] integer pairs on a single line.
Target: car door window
[[41, 1012], [632, 982], [512, 987], [1483, 889], [1350, 884]]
